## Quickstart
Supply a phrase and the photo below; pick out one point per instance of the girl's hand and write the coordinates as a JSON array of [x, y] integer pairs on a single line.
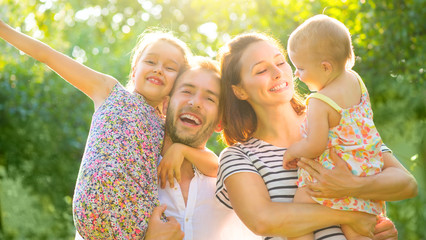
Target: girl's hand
[[170, 165], [385, 230], [335, 183]]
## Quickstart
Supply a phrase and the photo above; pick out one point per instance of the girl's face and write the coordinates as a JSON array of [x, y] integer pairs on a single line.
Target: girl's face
[[266, 77], [156, 71]]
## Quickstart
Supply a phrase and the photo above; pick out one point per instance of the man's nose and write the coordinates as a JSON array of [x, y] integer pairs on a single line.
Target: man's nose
[[195, 101]]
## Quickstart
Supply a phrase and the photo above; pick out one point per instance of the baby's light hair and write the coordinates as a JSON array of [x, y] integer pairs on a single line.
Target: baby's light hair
[[151, 36], [326, 38]]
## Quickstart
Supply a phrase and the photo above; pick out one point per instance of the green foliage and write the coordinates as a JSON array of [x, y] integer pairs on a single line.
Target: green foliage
[[44, 121]]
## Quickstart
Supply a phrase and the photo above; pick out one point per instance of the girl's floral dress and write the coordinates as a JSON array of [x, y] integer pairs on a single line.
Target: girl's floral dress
[[357, 141], [116, 189]]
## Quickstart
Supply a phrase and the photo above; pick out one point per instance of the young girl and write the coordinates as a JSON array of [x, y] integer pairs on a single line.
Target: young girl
[[339, 115], [116, 188]]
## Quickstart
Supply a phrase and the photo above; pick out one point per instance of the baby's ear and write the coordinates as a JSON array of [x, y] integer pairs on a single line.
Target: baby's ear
[[327, 67]]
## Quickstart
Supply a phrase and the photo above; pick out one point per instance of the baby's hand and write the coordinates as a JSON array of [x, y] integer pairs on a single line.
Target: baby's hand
[[170, 165], [289, 162]]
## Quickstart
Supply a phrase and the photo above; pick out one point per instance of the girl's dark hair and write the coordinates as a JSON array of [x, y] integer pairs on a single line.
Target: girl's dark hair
[[239, 120]]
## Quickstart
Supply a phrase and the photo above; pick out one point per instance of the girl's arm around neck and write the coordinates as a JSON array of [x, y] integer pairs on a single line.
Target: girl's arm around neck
[[94, 84], [204, 160], [170, 166], [266, 218]]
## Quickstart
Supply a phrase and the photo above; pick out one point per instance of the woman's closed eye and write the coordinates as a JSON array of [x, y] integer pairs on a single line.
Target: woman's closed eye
[[261, 71]]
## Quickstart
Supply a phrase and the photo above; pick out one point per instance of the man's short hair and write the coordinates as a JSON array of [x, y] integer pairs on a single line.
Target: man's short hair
[[205, 63], [200, 62]]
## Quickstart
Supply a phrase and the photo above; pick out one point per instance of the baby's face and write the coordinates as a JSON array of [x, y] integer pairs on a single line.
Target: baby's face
[[308, 68]]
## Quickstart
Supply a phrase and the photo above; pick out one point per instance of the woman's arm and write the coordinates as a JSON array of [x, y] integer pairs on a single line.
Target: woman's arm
[[266, 218], [392, 184], [94, 84]]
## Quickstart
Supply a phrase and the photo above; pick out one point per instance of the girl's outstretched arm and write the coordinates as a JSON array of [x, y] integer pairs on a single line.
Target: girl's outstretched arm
[[205, 160], [94, 84]]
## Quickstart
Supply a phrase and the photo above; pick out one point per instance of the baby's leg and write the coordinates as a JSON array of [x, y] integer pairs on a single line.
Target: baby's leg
[[302, 196], [350, 234]]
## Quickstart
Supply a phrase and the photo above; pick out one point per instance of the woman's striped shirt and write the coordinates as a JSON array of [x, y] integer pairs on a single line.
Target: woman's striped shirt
[[264, 159]]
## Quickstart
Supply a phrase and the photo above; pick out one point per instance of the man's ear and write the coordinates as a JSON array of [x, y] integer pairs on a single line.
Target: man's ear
[[165, 105], [327, 67], [239, 92]]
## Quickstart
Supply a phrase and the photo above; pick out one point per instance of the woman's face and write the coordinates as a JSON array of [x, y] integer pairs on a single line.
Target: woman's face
[[266, 76]]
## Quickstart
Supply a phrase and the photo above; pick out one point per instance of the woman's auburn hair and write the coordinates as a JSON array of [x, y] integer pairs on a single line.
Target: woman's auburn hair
[[239, 120]]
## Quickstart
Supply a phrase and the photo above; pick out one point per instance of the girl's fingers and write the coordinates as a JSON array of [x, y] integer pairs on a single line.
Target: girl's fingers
[[170, 178], [177, 175]]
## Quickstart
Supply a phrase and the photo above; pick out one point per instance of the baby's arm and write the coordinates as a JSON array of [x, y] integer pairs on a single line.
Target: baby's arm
[[94, 84], [317, 136], [204, 159]]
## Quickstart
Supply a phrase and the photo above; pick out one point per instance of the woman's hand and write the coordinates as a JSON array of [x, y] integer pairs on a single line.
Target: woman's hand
[[331, 183], [363, 223], [385, 230], [169, 166]]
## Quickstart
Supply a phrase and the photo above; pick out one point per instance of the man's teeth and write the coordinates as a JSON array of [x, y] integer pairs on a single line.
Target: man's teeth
[[281, 86], [190, 117]]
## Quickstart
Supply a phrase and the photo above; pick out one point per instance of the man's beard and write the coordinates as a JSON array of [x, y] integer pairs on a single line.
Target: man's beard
[[196, 140]]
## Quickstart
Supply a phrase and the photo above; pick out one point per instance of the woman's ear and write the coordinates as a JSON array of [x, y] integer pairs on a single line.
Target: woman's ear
[[239, 92], [218, 127], [327, 67]]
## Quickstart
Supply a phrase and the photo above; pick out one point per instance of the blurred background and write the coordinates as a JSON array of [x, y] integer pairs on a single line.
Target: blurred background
[[44, 121]]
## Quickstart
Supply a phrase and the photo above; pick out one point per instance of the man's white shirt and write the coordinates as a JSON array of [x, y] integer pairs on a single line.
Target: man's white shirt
[[204, 217]]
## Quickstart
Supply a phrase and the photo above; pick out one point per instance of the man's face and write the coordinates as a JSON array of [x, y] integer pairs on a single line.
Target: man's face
[[193, 111]]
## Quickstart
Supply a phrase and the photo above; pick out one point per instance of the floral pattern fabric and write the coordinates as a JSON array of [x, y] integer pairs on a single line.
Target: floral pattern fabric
[[116, 188], [357, 141]]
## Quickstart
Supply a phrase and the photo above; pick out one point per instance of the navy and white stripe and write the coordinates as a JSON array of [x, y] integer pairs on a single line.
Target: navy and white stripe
[[264, 159]]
